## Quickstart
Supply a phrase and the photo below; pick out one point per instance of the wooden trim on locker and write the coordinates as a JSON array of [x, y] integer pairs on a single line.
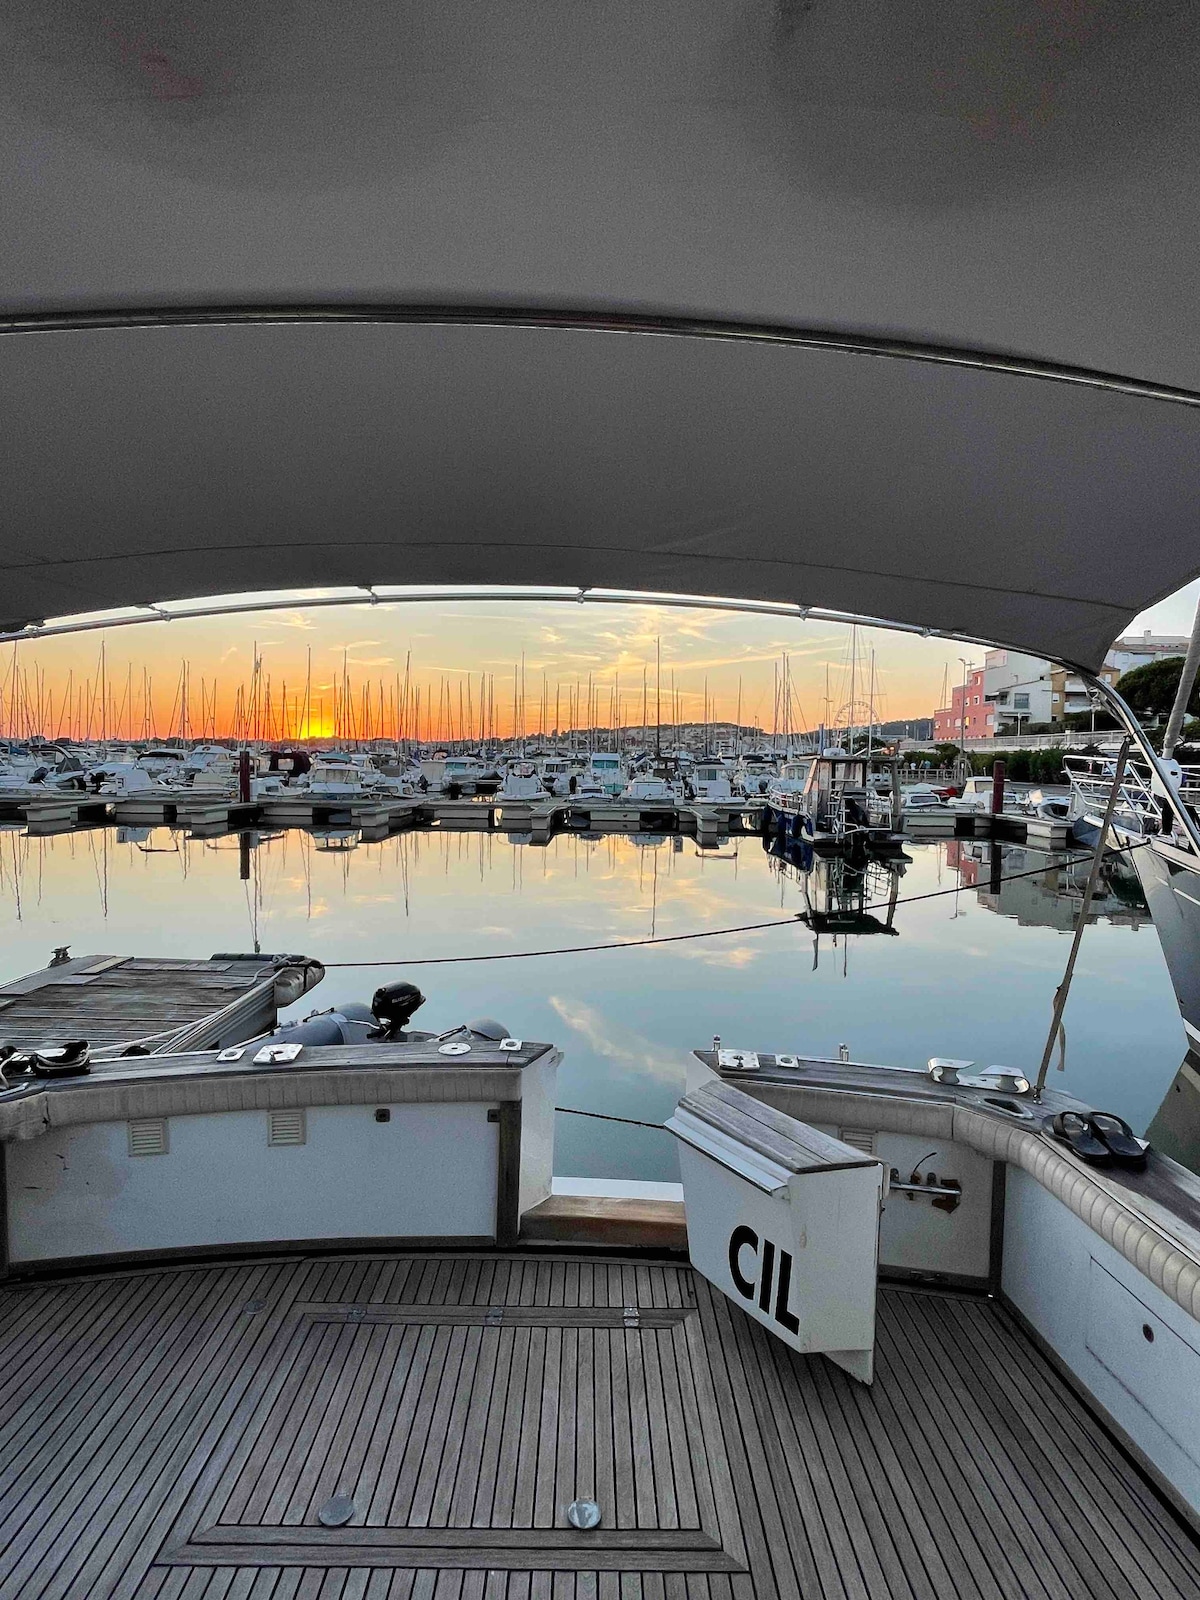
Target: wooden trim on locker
[[996, 1235], [508, 1174], [4, 1246]]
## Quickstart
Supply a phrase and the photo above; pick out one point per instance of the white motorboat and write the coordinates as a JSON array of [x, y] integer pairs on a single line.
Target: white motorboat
[[555, 773], [522, 782], [338, 777], [976, 796], [587, 786], [754, 772], [462, 774], [921, 797], [709, 780], [605, 770], [1154, 807], [649, 789], [128, 779], [166, 762]]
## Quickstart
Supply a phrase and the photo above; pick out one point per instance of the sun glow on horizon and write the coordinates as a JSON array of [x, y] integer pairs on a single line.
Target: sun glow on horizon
[[446, 670]]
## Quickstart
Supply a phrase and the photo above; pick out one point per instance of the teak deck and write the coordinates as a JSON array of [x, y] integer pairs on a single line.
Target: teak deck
[[174, 1433]]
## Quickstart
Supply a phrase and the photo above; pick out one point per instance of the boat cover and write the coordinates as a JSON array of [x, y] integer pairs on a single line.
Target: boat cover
[[882, 308]]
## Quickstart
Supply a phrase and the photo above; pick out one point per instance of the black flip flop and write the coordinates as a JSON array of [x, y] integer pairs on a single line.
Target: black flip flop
[[1116, 1133], [1072, 1129]]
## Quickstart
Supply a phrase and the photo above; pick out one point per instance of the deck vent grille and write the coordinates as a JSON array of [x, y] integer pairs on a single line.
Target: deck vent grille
[[147, 1136], [286, 1127], [859, 1139]]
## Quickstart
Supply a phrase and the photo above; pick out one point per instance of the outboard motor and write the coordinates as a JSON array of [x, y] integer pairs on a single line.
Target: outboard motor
[[393, 1005]]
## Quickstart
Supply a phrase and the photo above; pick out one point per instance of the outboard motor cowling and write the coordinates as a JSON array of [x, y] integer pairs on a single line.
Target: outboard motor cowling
[[393, 1006]]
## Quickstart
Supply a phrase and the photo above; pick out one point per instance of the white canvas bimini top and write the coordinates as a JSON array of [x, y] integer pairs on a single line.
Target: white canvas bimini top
[[886, 309]]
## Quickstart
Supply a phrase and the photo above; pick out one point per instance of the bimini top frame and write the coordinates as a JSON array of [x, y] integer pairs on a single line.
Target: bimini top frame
[[396, 594]]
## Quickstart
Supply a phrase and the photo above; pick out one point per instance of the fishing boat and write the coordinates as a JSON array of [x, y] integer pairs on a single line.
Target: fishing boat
[[833, 799], [411, 296]]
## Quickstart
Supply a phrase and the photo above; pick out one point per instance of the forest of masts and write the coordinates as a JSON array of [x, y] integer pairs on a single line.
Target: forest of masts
[[470, 709]]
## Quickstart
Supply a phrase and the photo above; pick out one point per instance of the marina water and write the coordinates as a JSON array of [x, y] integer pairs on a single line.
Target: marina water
[[970, 971]]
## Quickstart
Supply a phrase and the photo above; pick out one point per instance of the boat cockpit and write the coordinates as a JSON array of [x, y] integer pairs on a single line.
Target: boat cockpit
[[598, 304]]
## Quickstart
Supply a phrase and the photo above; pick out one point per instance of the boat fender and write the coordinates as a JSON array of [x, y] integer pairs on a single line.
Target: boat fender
[[296, 976]]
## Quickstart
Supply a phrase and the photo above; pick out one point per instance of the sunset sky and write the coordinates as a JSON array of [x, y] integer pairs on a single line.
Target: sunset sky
[[452, 649]]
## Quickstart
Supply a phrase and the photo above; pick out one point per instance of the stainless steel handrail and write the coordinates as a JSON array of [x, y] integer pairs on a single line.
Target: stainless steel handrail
[[1162, 786]]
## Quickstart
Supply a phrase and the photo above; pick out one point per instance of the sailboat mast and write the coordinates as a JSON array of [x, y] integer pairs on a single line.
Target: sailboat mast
[[658, 696]]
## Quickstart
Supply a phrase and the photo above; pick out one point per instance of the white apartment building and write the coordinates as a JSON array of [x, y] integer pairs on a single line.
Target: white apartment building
[[1023, 689], [1018, 688], [1138, 649], [1013, 691]]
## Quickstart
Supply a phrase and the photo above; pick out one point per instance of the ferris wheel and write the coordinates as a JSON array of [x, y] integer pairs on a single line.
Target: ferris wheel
[[854, 714]]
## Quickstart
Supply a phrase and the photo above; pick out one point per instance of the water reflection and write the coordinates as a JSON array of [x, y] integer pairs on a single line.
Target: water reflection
[[971, 973], [846, 897], [1044, 889]]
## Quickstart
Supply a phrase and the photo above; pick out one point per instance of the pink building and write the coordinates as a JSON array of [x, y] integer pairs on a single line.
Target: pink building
[[949, 725]]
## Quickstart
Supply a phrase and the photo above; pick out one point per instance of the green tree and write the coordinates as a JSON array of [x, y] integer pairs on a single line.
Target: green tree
[[1150, 690]]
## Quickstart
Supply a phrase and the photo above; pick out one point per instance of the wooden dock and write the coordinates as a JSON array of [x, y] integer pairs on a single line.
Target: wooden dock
[[179, 1433], [113, 1001], [378, 815], [1011, 826]]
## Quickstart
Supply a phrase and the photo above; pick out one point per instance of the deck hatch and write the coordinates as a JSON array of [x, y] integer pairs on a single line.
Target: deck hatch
[[461, 1437]]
